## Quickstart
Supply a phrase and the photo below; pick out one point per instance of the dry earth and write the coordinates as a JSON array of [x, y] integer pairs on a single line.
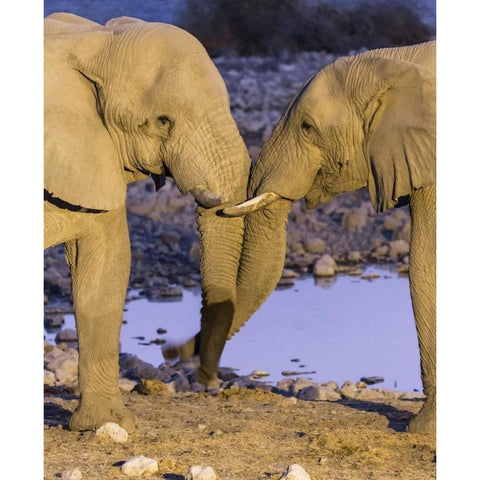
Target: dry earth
[[247, 434]]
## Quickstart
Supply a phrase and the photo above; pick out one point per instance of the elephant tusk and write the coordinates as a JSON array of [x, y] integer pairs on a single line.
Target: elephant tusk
[[251, 205], [206, 198]]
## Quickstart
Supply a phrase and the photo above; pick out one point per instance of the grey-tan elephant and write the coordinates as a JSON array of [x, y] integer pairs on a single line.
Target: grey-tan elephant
[[123, 101], [365, 120]]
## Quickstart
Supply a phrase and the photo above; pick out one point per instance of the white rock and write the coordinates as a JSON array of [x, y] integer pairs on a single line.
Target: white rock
[[325, 267], [66, 370], [295, 472], [72, 475], [113, 431], [198, 472], [140, 466]]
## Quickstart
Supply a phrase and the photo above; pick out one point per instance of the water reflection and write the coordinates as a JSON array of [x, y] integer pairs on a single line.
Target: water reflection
[[341, 328]]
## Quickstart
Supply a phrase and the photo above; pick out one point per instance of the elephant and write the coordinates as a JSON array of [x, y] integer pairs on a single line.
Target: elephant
[[366, 120], [123, 101]]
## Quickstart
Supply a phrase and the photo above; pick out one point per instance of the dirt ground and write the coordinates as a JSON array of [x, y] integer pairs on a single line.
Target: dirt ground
[[246, 434]]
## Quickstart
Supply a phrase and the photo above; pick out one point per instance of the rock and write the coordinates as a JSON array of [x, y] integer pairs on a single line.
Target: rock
[[48, 378], [54, 321], [398, 249], [372, 380], [381, 251], [67, 335], [72, 475], [288, 273], [354, 256], [325, 267], [331, 385], [318, 393], [367, 394], [286, 282], [361, 385], [198, 472], [402, 269], [112, 431], [370, 276], [63, 363], [348, 389], [299, 384], [314, 245], [295, 472], [141, 465], [355, 219], [284, 385], [67, 371], [126, 385], [170, 238], [259, 374], [152, 387], [163, 291], [161, 331]]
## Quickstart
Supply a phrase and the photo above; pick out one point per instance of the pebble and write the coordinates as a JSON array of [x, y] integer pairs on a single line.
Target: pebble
[[295, 472], [140, 465], [259, 374], [198, 472], [72, 475], [325, 267], [289, 273], [112, 431]]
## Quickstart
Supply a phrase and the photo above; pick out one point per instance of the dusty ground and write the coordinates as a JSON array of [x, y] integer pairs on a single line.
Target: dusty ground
[[247, 434]]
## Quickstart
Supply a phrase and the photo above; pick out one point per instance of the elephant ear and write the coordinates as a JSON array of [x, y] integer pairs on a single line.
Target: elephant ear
[[81, 164], [401, 131]]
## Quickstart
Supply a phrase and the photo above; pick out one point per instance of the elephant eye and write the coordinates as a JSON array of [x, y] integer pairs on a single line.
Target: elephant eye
[[164, 120], [306, 127]]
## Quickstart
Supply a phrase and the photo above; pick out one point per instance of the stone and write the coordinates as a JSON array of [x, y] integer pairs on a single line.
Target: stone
[[325, 267], [286, 282], [314, 245], [194, 252], [126, 385], [67, 335], [289, 273], [140, 465], [67, 371], [112, 431], [381, 251], [48, 378], [361, 385], [348, 389], [354, 256], [72, 475], [152, 387], [284, 385], [54, 321], [298, 384], [368, 394], [331, 385], [198, 472], [318, 393], [295, 472], [355, 219], [398, 249], [259, 374]]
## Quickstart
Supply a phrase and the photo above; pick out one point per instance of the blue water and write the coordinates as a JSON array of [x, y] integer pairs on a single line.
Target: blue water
[[341, 328]]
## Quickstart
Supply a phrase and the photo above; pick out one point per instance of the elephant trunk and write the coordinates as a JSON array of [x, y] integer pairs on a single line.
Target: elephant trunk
[[262, 260]]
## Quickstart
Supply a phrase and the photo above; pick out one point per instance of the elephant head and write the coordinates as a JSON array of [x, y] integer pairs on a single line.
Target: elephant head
[[130, 99], [365, 120]]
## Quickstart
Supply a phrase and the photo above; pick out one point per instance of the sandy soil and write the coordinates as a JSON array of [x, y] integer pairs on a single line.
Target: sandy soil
[[247, 434]]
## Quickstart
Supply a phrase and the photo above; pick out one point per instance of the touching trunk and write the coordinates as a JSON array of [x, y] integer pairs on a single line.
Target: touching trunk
[[221, 239], [262, 261]]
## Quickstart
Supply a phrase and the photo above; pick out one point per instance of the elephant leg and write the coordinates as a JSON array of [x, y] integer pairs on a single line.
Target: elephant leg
[[100, 265], [423, 293]]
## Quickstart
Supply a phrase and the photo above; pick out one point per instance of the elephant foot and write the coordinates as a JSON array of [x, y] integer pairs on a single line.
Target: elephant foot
[[91, 415], [210, 382], [425, 421]]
